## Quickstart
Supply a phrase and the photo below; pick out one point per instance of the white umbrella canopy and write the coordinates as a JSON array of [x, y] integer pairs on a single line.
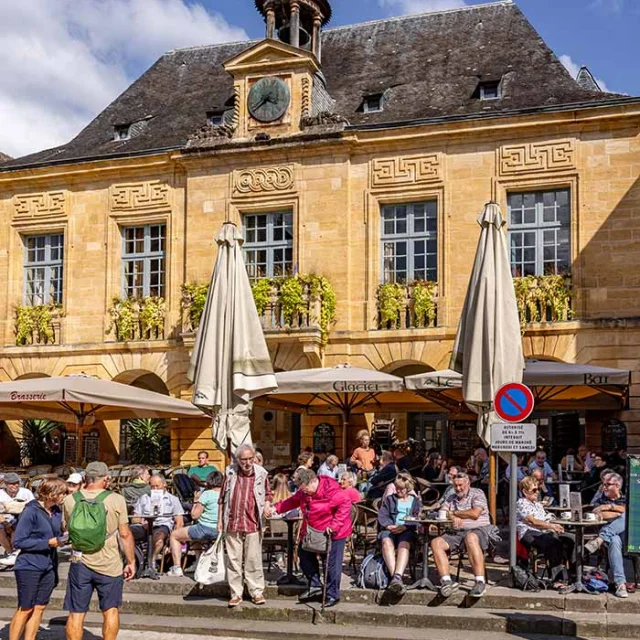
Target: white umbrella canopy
[[230, 364], [343, 389], [488, 346]]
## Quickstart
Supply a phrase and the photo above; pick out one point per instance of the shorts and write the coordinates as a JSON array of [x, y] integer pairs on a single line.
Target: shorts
[[35, 587], [162, 530], [456, 538], [200, 532], [406, 536], [81, 583]]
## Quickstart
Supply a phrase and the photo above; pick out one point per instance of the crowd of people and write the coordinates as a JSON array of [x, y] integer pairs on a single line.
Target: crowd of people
[[243, 501]]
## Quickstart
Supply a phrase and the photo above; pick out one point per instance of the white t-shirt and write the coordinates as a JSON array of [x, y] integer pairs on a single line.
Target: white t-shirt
[[23, 495]]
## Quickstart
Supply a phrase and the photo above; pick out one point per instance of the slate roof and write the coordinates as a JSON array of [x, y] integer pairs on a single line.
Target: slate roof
[[429, 65], [4, 157]]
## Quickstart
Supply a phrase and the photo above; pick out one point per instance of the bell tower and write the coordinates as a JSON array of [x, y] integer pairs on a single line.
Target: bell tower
[[296, 22]]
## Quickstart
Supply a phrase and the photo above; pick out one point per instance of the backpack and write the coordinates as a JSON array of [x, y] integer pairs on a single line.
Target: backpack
[[596, 582], [88, 523], [525, 580], [373, 573]]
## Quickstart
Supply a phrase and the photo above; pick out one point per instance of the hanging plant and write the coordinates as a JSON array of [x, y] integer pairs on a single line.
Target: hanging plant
[[321, 288], [151, 317], [391, 299], [261, 290], [124, 318], [292, 300], [35, 324], [424, 303], [557, 295], [194, 298], [542, 298]]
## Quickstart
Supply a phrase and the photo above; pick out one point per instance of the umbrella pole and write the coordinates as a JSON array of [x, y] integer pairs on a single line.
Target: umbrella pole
[[79, 425], [492, 485], [345, 428]]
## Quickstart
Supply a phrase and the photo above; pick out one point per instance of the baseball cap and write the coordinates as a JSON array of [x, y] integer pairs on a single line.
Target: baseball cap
[[75, 478], [97, 468], [11, 478]]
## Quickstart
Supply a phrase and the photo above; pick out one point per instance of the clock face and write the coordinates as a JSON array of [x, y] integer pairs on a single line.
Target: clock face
[[269, 99]]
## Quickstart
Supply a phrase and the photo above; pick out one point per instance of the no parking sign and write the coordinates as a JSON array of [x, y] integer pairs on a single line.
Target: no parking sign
[[514, 402]]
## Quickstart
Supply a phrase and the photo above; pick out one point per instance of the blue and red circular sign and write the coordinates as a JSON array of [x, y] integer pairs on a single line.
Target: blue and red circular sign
[[513, 402]]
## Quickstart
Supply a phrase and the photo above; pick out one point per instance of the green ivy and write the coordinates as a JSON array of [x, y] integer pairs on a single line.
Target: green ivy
[[34, 324], [292, 299], [151, 316], [261, 290], [535, 295], [124, 318], [137, 318], [321, 288], [424, 303], [391, 298], [194, 297]]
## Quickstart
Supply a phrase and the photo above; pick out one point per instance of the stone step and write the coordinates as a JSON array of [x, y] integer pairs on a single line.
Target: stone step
[[195, 610]]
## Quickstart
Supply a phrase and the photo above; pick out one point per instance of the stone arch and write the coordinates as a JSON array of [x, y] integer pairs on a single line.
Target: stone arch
[[33, 375], [404, 368], [143, 379]]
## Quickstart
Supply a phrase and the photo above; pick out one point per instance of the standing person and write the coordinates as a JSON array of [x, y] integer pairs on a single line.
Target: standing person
[[74, 482], [37, 537], [325, 507], [364, 457], [329, 467], [200, 472], [96, 563], [245, 497], [12, 492]]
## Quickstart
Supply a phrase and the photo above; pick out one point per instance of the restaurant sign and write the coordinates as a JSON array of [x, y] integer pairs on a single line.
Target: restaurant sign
[[512, 436]]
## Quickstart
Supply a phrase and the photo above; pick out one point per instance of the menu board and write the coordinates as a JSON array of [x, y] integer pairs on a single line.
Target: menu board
[[613, 436], [633, 504], [565, 435], [70, 448], [464, 438], [324, 439]]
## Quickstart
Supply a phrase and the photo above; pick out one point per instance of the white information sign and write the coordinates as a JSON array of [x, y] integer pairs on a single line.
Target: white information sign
[[513, 436]]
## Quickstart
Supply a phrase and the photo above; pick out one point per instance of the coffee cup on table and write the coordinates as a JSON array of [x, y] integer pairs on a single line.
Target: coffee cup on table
[[565, 515], [442, 514], [590, 516]]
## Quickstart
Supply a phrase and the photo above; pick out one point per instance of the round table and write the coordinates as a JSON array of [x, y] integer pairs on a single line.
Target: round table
[[290, 578], [424, 582], [579, 526], [149, 570]]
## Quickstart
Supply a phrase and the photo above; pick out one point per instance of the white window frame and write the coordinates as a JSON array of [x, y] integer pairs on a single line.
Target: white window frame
[[410, 237], [48, 265], [270, 245], [146, 257], [537, 228], [365, 105]]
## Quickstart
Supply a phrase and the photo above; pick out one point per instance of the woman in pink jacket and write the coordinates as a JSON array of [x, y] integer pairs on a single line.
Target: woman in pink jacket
[[326, 507]]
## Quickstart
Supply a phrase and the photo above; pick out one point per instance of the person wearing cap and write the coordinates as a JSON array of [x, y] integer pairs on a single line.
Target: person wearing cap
[[12, 492], [74, 482], [102, 570], [138, 487]]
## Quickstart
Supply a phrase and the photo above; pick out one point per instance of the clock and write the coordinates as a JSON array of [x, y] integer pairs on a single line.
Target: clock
[[269, 99]]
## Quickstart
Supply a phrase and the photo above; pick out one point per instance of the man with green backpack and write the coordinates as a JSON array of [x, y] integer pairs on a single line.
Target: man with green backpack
[[95, 519]]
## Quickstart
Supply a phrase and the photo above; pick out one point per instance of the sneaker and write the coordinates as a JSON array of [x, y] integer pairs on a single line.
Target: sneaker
[[234, 602], [258, 599], [448, 588], [10, 560], [479, 589], [593, 545], [621, 591], [175, 572], [396, 586]]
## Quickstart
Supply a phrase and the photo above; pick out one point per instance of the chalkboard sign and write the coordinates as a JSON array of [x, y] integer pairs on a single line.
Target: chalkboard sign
[[91, 445], [70, 448], [464, 439], [633, 504], [613, 434], [324, 438], [565, 435]]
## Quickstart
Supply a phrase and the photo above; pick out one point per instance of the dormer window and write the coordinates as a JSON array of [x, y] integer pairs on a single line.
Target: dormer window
[[215, 118], [489, 90], [373, 103], [122, 132]]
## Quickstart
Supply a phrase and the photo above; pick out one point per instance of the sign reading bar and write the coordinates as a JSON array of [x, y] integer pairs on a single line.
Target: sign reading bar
[[513, 437]]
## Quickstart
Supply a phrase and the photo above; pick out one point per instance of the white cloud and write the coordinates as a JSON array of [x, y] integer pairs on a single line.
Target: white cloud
[[615, 6], [420, 6], [574, 68], [63, 61]]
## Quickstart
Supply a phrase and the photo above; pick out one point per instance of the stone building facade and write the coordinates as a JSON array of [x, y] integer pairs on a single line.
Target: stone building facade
[[361, 154]]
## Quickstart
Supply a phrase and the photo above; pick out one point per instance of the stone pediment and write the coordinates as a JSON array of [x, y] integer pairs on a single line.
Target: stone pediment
[[270, 54]]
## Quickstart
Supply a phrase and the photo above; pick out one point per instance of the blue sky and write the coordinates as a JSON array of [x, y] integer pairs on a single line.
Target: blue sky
[[64, 61]]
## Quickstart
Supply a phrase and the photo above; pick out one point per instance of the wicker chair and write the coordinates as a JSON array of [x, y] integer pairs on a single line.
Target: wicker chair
[[365, 530]]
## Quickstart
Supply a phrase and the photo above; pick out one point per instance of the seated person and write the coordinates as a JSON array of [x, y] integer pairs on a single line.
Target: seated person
[[522, 470], [364, 457], [167, 506], [205, 512], [545, 493], [481, 469], [611, 507], [536, 531], [348, 481], [592, 482], [470, 530], [401, 458], [138, 487], [449, 491], [329, 467], [540, 462], [384, 476], [200, 472], [12, 493], [396, 536], [435, 469]]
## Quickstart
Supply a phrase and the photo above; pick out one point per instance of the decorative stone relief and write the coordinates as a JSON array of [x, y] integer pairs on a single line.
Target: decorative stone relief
[[536, 156], [139, 196], [306, 97], [51, 204], [266, 180], [407, 170]]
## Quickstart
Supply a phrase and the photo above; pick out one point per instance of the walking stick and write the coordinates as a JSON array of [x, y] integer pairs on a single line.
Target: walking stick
[[326, 573]]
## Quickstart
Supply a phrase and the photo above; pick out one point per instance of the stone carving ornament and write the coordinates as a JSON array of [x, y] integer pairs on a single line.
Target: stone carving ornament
[[261, 180]]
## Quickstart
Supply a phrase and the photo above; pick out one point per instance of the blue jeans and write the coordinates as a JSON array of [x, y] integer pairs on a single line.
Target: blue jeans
[[612, 535]]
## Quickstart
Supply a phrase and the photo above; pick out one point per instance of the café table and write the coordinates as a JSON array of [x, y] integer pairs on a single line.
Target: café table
[[579, 526], [149, 569], [290, 578], [425, 523]]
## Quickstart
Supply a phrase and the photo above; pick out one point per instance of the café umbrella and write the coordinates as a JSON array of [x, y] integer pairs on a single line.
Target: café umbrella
[[84, 399], [342, 389], [230, 364]]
